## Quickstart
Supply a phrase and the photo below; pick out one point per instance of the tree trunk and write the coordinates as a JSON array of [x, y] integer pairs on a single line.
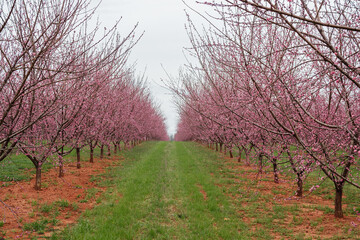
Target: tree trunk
[[239, 157], [276, 175], [338, 202], [61, 171], [115, 148], [109, 150], [38, 178], [91, 154], [221, 146], [61, 167], [102, 151], [217, 147], [78, 165], [247, 158], [231, 155], [299, 190], [61, 164]]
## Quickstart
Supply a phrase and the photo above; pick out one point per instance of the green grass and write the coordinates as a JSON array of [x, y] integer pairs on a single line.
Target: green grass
[[46, 208], [157, 195], [14, 168], [157, 192], [267, 218], [48, 213], [62, 203], [17, 167]]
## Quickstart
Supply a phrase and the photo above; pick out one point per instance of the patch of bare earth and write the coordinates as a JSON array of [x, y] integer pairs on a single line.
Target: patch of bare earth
[[21, 203], [308, 219], [202, 191]]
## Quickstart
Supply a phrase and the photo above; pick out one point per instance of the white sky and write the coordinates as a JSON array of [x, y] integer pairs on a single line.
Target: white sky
[[162, 44]]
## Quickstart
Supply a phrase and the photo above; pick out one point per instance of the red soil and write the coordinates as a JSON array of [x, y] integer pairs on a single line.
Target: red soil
[[202, 191], [20, 203], [310, 221]]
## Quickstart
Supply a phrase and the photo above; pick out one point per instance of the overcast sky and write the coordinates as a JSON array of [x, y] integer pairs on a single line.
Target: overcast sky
[[162, 44]]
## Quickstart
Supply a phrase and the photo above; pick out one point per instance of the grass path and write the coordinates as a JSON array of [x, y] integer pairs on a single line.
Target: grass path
[[164, 190]]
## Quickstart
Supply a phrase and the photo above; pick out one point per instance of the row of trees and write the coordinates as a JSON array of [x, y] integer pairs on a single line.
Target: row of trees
[[280, 81], [64, 86]]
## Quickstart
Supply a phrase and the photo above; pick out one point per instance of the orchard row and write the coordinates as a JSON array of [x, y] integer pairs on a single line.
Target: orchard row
[[280, 81], [65, 85]]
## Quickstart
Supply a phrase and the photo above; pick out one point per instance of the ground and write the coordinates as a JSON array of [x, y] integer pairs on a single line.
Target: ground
[[311, 216], [63, 199], [167, 190]]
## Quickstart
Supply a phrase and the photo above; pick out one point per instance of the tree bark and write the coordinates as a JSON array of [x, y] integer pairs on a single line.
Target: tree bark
[[247, 158], [102, 151], [91, 154], [276, 174], [115, 148], [78, 165], [38, 178], [260, 163], [299, 190], [61, 167], [338, 202], [239, 157], [61, 171], [231, 155], [339, 191], [109, 150], [61, 164]]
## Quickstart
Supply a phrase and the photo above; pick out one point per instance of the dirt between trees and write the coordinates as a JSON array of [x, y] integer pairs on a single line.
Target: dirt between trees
[[62, 200], [309, 219], [26, 213], [202, 192]]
